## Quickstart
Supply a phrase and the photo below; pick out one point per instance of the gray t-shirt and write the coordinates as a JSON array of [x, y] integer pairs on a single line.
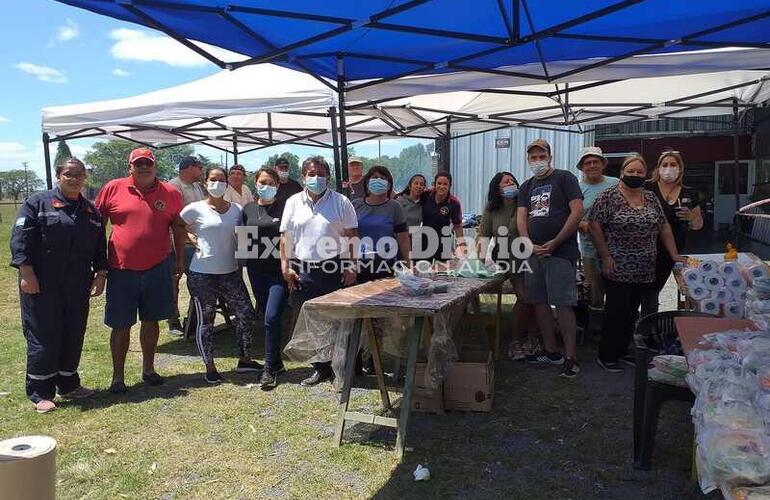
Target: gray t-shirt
[[590, 193], [190, 192], [547, 202], [376, 222], [412, 210], [355, 190]]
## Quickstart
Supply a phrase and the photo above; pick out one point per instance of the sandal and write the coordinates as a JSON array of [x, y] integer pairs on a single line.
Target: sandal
[[44, 406]]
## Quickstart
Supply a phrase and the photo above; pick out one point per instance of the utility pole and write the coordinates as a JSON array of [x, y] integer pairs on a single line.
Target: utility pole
[[26, 180]]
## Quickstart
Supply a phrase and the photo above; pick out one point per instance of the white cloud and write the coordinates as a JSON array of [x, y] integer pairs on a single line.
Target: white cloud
[[43, 73], [4, 119], [137, 45], [68, 32], [120, 72]]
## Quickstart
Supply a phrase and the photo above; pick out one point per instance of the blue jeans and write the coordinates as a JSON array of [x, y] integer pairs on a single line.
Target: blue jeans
[[270, 295]]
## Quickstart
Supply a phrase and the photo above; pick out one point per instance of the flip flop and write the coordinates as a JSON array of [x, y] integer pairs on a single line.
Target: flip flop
[[44, 406]]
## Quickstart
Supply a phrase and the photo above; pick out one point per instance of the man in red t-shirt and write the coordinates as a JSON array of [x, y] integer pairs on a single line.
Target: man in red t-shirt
[[141, 210]]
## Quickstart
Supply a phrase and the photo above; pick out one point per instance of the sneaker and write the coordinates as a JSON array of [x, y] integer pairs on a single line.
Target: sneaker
[[545, 357], [516, 351], [268, 380], [317, 377], [610, 366], [213, 378], [175, 328], [44, 406], [118, 387], [248, 366], [152, 378], [628, 359], [570, 368]]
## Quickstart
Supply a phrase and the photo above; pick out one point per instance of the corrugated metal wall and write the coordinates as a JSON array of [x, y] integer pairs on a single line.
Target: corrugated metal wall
[[475, 160]]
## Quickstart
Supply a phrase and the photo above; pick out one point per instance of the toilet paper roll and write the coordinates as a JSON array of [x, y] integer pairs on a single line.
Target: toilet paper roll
[[28, 468], [757, 271], [698, 292], [734, 310], [729, 269], [709, 306], [714, 282], [692, 276], [739, 297], [708, 267], [736, 284], [722, 295]]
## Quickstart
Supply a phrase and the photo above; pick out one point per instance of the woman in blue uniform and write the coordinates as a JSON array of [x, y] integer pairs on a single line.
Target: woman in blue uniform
[[59, 247]]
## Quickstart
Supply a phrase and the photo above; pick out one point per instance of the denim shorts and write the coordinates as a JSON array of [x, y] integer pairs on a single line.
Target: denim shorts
[[150, 293], [552, 281]]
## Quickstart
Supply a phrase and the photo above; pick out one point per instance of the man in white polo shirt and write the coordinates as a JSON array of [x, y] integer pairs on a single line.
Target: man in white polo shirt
[[317, 256]]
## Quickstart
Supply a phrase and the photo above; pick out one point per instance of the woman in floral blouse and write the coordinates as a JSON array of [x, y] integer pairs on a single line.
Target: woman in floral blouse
[[625, 223]]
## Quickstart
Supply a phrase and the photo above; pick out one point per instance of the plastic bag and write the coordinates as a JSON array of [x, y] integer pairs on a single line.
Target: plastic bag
[[656, 375], [752, 493], [736, 456], [738, 415], [671, 364]]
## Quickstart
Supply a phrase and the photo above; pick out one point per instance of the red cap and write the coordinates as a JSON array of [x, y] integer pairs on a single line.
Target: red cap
[[141, 153]]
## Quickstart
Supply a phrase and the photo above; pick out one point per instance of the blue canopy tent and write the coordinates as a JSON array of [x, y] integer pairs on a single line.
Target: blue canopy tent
[[350, 45]]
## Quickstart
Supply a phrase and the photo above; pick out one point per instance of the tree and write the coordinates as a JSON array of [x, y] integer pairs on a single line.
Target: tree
[[109, 160], [18, 183], [62, 154]]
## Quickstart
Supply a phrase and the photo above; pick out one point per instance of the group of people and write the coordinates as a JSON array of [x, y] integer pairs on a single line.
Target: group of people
[[300, 241]]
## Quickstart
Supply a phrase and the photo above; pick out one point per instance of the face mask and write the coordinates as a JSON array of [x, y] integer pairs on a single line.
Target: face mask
[[509, 191], [283, 175], [266, 191], [216, 188], [315, 185], [669, 174], [378, 186], [538, 167], [632, 181]]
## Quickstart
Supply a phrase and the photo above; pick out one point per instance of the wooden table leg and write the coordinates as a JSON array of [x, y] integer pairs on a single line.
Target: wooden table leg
[[350, 368], [406, 399], [374, 345]]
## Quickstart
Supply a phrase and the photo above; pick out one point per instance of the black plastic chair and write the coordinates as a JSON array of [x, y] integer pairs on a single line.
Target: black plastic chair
[[655, 334]]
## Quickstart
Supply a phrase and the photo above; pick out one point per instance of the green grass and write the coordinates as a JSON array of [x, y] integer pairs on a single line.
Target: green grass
[[546, 437]]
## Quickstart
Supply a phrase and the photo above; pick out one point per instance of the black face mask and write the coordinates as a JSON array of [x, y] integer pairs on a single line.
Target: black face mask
[[632, 181]]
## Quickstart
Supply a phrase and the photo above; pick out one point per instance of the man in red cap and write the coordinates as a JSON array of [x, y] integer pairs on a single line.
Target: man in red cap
[[141, 210]]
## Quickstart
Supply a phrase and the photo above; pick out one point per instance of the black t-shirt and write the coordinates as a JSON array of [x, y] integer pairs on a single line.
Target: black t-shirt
[[547, 203], [267, 220], [687, 199], [438, 215], [285, 190]]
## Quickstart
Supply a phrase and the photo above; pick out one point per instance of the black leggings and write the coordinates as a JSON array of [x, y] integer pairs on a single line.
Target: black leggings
[[620, 311]]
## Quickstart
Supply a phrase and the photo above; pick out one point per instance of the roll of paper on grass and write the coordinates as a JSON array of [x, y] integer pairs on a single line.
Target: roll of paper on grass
[[28, 468]]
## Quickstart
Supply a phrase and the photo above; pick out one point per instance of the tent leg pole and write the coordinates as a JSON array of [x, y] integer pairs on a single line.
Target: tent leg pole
[[343, 127], [47, 156], [235, 151], [447, 146], [737, 164], [336, 149]]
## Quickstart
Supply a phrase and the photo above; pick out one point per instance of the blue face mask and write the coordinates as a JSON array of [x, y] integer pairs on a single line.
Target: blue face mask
[[378, 186], [315, 185], [266, 191], [509, 191]]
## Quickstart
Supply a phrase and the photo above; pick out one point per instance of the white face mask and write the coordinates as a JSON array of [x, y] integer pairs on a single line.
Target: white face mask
[[216, 188], [283, 175], [669, 174], [538, 167]]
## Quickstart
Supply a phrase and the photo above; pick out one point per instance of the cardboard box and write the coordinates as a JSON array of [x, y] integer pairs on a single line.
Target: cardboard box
[[425, 399], [470, 385]]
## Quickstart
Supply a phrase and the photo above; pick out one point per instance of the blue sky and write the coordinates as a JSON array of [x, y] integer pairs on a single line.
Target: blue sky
[[54, 54]]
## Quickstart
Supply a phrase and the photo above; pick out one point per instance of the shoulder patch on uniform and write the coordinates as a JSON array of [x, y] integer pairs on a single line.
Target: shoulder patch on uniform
[[20, 221]]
